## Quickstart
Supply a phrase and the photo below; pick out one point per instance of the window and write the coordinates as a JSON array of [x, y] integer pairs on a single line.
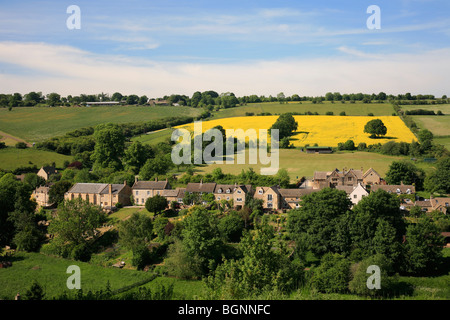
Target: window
[[399, 191], [148, 192], [239, 191], [157, 192], [349, 179], [218, 198], [220, 191], [269, 197], [408, 191], [228, 190], [239, 199], [228, 198], [355, 196], [143, 200], [137, 192], [260, 191], [269, 205]]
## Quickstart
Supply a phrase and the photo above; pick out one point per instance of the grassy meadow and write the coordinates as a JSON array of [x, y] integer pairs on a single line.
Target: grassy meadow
[[35, 124], [12, 158], [300, 164], [351, 109]]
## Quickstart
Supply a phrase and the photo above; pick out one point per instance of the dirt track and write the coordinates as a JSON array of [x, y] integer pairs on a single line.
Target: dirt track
[[8, 136]]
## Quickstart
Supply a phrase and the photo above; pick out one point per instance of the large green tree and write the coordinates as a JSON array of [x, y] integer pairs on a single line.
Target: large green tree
[[136, 155], [264, 266], [156, 204], [315, 224], [423, 247], [285, 124], [74, 227], [136, 230], [438, 180], [109, 146], [376, 128], [405, 172]]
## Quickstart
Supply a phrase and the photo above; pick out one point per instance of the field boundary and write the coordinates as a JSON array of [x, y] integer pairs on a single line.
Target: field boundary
[[5, 136]]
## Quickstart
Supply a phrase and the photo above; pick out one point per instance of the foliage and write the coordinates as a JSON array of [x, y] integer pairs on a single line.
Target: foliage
[[109, 146], [406, 173], [261, 268], [285, 124], [231, 227], [332, 275], [57, 191], [423, 248], [359, 277], [438, 180], [156, 204], [35, 292], [135, 231], [315, 224], [376, 128], [73, 227]]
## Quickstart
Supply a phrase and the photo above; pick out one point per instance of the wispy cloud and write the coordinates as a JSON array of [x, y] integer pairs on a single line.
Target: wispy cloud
[[72, 71]]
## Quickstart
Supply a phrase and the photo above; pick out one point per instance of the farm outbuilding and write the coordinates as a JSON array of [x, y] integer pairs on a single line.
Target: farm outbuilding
[[319, 150]]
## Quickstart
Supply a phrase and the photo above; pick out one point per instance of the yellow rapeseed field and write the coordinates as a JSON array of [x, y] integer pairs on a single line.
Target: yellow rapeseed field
[[320, 130]]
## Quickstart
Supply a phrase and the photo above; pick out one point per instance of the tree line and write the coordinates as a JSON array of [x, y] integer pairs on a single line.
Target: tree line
[[209, 98]]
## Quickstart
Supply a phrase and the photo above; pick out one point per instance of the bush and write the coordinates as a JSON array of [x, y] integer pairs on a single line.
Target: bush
[[332, 275], [329, 113], [21, 145], [231, 227], [358, 284], [342, 113], [2, 145]]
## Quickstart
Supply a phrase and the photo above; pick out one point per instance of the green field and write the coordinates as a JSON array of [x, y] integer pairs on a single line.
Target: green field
[[445, 141], [36, 124], [50, 272], [438, 125], [154, 137], [299, 164], [351, 109], [12, 158]]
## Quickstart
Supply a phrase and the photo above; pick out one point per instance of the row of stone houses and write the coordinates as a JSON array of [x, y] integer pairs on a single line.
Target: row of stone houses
[[353, 182], [345, 177]]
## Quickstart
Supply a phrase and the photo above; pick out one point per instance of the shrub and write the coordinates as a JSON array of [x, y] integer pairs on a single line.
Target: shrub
[[21, 145], [358, 284], [332, 275]]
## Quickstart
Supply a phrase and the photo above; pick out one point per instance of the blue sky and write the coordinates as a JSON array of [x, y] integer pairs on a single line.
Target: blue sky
[[247, 47]]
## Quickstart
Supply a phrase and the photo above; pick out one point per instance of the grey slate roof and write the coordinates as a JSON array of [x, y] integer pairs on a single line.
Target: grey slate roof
[[201, 187], [152, 185], [88, 188]]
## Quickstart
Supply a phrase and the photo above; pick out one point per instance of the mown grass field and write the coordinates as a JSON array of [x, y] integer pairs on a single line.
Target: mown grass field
[[438, 125], [50, 272], [36, 124], [12, 158], [321, 130], [351, 109], [300, 164], [154, 137]]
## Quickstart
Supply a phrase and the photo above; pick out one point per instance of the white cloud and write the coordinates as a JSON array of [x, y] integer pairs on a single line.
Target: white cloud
[[68, 70]]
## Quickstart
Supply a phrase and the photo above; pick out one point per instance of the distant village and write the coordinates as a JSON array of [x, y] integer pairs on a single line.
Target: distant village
[[356, 183]]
